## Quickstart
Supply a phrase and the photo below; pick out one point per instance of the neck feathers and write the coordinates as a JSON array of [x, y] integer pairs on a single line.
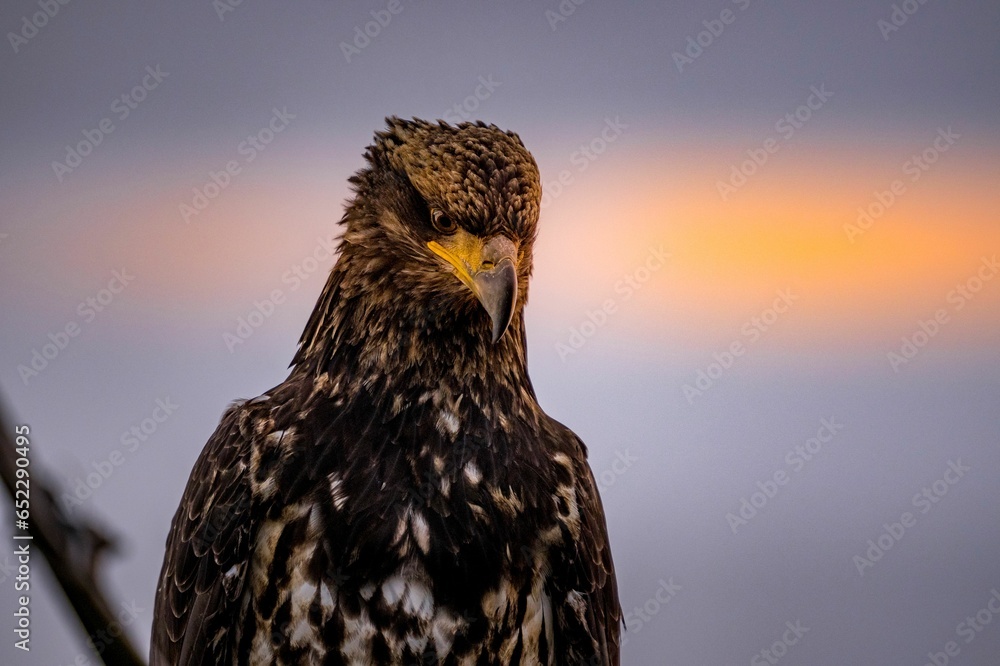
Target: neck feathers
[[369, 336]]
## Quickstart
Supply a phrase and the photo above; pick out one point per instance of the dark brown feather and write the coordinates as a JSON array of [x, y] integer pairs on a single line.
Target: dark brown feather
[[401, 498]]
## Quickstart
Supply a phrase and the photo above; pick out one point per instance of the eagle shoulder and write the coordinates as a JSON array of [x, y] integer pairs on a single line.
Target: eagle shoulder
[[209, 546], [587, 611]]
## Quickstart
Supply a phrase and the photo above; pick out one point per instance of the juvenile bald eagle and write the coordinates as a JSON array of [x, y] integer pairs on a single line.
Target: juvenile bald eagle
[[401, 498]]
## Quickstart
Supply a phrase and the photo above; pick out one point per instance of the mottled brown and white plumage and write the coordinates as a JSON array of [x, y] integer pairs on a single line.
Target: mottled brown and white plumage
[[401, 498]]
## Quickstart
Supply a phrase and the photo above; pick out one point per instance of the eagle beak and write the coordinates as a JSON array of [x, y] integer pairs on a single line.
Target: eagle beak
[[493, 280], [498, 294]]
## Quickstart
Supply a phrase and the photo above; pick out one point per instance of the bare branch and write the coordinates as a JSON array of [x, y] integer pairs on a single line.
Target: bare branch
[[72, 548]]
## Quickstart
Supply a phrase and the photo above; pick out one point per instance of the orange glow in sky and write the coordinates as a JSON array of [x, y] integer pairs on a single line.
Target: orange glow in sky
[[788, 227]]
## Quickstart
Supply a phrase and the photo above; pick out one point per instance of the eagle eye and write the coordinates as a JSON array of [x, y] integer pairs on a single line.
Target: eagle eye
[[442, 222]]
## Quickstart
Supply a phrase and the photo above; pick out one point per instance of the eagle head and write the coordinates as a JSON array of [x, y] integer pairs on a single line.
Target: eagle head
[[445, 217], [435, 255]]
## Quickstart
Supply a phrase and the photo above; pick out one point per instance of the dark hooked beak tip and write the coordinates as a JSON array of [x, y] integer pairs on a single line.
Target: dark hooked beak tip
[[497, 291]]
